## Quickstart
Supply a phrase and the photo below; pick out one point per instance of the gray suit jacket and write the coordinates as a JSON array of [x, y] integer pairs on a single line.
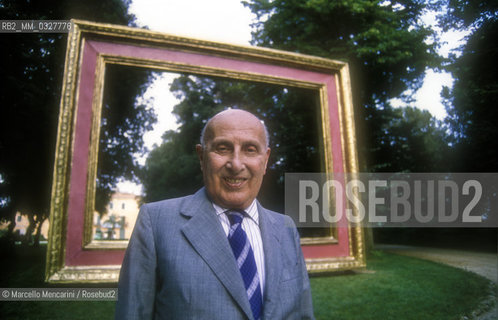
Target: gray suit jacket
[[179, 265]]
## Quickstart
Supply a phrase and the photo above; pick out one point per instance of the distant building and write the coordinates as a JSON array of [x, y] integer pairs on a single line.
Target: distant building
[[118, 222], [22, 224]]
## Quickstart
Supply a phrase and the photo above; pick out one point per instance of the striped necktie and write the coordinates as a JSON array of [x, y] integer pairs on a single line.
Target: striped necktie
[[245, 260]]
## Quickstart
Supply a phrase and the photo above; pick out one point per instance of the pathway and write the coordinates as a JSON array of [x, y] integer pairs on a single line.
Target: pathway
[[484, 264]]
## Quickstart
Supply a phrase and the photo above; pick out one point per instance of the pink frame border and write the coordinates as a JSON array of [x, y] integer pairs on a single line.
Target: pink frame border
[[75, 254]]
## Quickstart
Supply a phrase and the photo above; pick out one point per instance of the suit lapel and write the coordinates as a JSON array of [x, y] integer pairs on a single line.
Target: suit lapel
[[273, 260], [203, 230]]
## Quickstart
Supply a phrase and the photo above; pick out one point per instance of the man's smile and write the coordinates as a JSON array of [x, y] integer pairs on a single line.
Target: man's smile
[[234, 183]]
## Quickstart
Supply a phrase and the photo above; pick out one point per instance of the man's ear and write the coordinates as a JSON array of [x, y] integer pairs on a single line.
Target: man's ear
[[200, 153], [268, 151]]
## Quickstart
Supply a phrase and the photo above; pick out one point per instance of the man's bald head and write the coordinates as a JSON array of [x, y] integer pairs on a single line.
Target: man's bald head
[[237, 116], [233, 158]]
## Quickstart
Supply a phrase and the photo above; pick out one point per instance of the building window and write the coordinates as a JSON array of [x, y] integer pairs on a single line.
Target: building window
[[19, 218], [123, 206], [110, 205]]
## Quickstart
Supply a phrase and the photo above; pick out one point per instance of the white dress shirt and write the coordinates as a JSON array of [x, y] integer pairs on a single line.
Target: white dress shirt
[[250, 224]]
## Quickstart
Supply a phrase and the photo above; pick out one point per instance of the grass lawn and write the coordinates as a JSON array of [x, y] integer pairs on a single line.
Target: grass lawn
[[400, 288], [25, 268]]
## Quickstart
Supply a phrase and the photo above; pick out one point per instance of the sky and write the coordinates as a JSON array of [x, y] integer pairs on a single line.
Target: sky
[[229, 21]]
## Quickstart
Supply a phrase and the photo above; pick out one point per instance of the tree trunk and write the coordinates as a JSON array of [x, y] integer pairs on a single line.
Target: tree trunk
[[29, 231], [10, 229], [36, 239]]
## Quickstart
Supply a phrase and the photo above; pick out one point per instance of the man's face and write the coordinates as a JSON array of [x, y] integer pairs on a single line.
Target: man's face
[[234, 159]]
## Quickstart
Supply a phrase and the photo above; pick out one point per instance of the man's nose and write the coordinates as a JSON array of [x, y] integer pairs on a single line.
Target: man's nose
[[236, 163]]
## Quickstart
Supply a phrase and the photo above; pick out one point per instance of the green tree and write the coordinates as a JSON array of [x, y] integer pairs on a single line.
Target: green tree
[[414, 137], [471, 103], [460, 14], [383, 41], [32, 68], [123, 124]]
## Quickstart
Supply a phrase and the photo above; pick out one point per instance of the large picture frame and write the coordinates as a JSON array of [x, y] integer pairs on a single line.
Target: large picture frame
[[72, 256]]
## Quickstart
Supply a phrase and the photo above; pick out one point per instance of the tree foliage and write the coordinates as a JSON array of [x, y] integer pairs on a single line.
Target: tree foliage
[[471, 108], [124, 121], [460, 14], [388, 50], [471, 103], [418, 142], [32, 68]]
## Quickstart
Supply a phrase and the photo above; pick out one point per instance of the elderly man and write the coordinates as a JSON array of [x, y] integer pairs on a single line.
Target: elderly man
[[217, 254]]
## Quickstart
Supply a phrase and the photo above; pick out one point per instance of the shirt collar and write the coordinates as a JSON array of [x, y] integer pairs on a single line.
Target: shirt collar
[[251, 211]]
